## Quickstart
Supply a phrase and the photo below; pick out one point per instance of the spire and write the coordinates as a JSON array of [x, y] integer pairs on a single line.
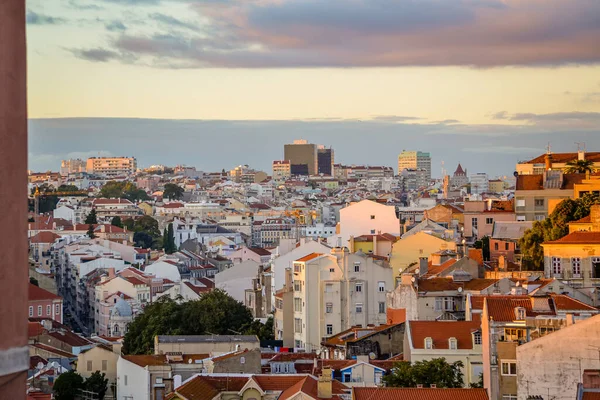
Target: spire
[[459, 170]]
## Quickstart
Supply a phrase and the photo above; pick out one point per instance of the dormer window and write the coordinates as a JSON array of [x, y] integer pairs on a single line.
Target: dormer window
[[477, 338], [452, 343], [519, 313], [428, 343]]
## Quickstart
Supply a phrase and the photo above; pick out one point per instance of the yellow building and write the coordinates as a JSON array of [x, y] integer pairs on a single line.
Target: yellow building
[[590, 185], [100, 358], [146, 208], [496, 186], [408, 250]]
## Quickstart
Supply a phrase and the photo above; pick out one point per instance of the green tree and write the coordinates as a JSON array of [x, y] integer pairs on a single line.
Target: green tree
[[98, 384], [431, 372], [67, 188], [215, 312], [33, 281], [553, 228], [147, 224], [484, 245], [123, 190], [116, 221], [579, 167], [67, 386], [170, 239], [143, 240], [264, 331], [165, 242], [90, 232], [91, 218], [173, 191], [479, 383], [129, 224]]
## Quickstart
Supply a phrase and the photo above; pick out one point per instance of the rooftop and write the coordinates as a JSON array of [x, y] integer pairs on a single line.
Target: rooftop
[[206, 338], [441, 331], [359, 393]]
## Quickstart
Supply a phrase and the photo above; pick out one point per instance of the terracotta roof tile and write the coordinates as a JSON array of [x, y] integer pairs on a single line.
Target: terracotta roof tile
[[44, 237], [309, 257], [580, 237], [443, 284], [441, 331], [564, 158], [308, 386], [260, 251], [276, 382], [566, 303], [208, 387], [433, 270], [502, 308], [54, 350], [418, 394], [37, 293]]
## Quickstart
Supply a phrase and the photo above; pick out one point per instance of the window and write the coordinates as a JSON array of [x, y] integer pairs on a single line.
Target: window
[[452, 344], [358, 287], [595, 267], [520, 202], [489, 221], [539, 202], [125, 380], [331, 269], [31, 311], [297, 268], [576, 265], [357, 267], [329, 329], [506, 246], [474, 223], [509, 368], [298, 344], [381, 307], [540, 217], [48, 310], [297, 304], [89, 366], [513, 334], [381, 286], [428, 343], [520, 313], [328, 288], [521, 218], [104, 365], [297, 325], [329, 308], [556, 267], [57, 310], [496, 246], [477, 338], [297, 286], [39, 311], [359, 308], [372, 231], [509, 397], [116, 330], [444, 304], [372, 217]]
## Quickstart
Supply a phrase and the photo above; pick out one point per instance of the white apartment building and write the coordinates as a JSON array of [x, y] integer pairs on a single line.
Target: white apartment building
[[415, 160], [480, 183], [111, 166], [333, 292], [204, 233], [317, 231], [72, 166]]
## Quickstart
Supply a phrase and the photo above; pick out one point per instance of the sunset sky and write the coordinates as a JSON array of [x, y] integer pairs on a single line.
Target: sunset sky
[[460, 64]]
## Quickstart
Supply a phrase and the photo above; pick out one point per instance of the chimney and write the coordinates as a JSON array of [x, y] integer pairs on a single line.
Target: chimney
[[375, 252], [289, 280], [111, 273], [595, 217], [351, 242], [102, 228], [502, 263], [570, 319], [581, 155], [324, 389], [548, 160], [468, 310], [423, 265]]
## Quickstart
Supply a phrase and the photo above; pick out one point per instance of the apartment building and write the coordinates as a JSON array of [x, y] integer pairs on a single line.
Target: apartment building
[[480, 216], [282, 171], [415, 160], [479, 183], [325, 161], [555, 162], [73, 166], [272, 230], [333, 292], [111, 167], [302, 157]]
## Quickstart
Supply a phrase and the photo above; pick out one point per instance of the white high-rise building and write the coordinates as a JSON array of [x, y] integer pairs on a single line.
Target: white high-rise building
[[111, 167], [480, 183], [415, 160]]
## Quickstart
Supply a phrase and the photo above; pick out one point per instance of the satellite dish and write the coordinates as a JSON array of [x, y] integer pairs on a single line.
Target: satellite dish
[[39, 365], [53, 364], [417, 271], [413, 279], [518, 283], [190, 361], [372, 356], [460, 290]]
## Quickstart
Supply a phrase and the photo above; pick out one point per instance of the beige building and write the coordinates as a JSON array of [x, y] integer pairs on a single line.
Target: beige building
[[204, 344], [452, 340], [409, 250], [415, 160], [555, 162], [72, 166], [282, 171], [563, 365], [333, 292], [302, 157], [100, 358], [111, 167], [496, 186]]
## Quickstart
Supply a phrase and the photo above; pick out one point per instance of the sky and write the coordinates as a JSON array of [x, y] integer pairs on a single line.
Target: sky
[[484, 82]]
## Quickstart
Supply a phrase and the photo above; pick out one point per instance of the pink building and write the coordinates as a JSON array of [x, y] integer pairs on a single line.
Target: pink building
[[480, 217], [43, 304]]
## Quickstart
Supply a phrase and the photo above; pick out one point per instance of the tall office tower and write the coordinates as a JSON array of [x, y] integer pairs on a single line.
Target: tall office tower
[[415, 160], [302, 157], [325, 160]]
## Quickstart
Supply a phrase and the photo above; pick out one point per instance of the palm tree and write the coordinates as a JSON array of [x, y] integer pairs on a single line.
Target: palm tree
[[579, 167]]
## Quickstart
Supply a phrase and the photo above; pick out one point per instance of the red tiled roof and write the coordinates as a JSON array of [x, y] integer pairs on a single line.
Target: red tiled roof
[[208, 387], [54, 350], [34, 329], [580, 237], [111, 201], [384, 237], [530, 182], [591, 396], [566, 303], [276, 382], [350, 335], [37, 293], [360, 393], [584, 220], [441, 331], [145, 360], [308, 386], [309, 257], [34, 360], [173, 205], [45, 237], [502, 308], [433, 270], [133, 280], [564, 158], [284, 357], [197, 289], [260, 251]]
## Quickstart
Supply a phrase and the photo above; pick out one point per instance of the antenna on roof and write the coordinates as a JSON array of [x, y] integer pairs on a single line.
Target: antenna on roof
[[548, 149]]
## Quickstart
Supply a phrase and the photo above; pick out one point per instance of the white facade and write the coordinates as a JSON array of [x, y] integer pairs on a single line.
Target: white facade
[[133, 381], [288, 257], [162, 269], [480, 183], [237, 279], [66, 213], [318, 231], [366, 218]]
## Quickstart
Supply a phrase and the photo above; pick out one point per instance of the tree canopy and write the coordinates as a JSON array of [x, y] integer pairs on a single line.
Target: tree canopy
[[123, 190], [91, 218], [146, 232], [579, 167], [432, 372], [553, 228], [116, 221], [67, 188], [215, 312], [90, 232], [173, 191], [68, 386], [98, 384], [169, 240]]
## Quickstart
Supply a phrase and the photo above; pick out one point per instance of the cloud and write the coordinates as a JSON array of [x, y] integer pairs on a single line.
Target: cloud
[[502, 150], [393, 118], [97, 55], [376, 33], [573, 119], [34, 18], [447, 121], [115, 26], [133, 2], [83, 6], [172, 21]]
